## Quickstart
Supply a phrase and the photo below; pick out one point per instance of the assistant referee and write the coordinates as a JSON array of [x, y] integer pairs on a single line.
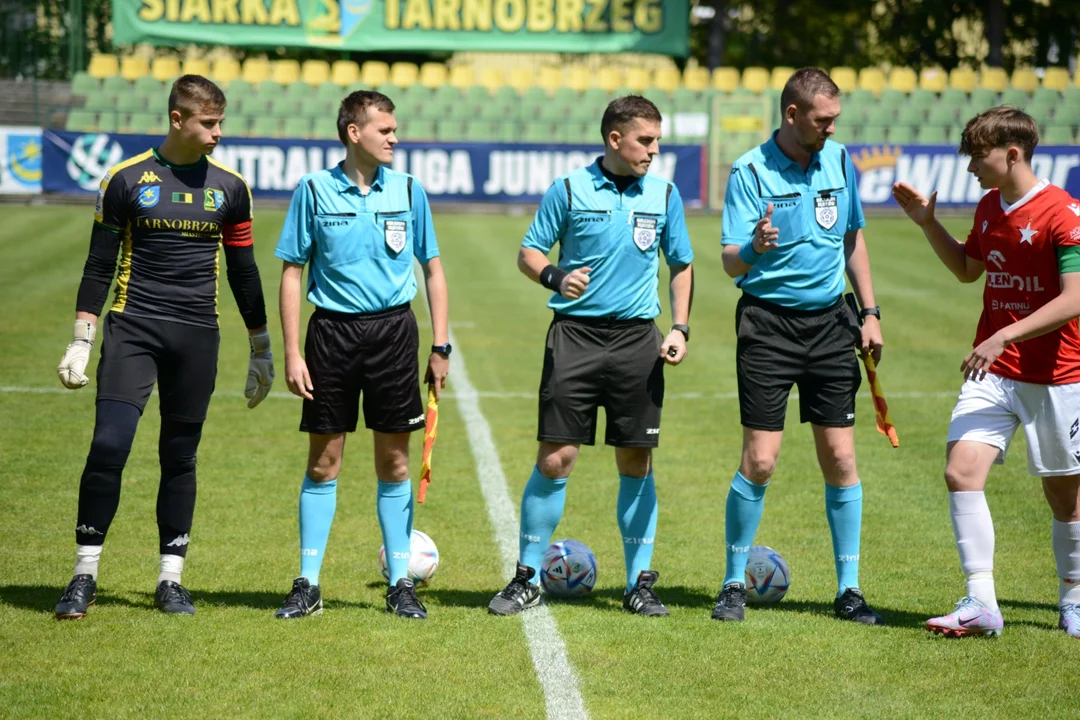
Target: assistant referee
[[792, 226]]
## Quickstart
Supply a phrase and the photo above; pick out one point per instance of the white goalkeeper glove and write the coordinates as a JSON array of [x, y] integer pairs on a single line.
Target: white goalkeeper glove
[[260, 369], [72, 369]]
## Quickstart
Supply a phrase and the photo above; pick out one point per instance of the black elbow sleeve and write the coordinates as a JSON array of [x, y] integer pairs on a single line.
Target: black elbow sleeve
[[99, 269], [246, 285]]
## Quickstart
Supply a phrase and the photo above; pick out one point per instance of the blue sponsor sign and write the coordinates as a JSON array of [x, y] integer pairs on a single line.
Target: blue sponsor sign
[[450, 172], [20, 160]]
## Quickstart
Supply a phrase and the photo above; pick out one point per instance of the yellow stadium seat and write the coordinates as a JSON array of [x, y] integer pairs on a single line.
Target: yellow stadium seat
[[315, 72], [872, 79], [433, 74], [608, 78], [779, 77], [845, 78], [225, 70], [462, 76], [1025, 79], [255, 70], [934, 79], [725, 79], [696, 78], [164, 68], [993, 78], [344, 72], [491, 78], [637, 79], [550, 78], [103, 66], [196, 66], [285, 72], [1056, 78], [756, 79], [133, 67], [579, 78], [521, 78], [903, 79], [404, 74], [667, 79], [374, 73], [963, 78]]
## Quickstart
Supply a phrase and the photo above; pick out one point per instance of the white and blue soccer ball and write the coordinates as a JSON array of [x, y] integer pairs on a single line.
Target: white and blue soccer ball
[[423, 558], [767, 576], [568, 569]]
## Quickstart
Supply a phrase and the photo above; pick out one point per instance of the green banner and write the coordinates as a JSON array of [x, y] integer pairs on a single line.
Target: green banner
[[574, 26]]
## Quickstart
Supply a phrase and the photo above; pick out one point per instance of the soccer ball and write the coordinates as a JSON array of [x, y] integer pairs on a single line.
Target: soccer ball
[[767, 576], [423, 558], [568, 569]]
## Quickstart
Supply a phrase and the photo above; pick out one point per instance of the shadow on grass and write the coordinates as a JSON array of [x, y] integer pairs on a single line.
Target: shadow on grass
[[893, 617], [1028, 605], [604, 599], [44, 598]]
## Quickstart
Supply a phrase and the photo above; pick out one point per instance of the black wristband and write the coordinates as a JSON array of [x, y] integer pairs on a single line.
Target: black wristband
[[551, 277]]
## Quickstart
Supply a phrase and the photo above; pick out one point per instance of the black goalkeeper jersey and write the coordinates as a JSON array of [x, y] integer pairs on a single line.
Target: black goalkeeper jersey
[[171, 220]]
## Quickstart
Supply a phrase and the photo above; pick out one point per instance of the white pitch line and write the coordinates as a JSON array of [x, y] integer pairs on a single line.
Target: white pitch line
[[561, 694]]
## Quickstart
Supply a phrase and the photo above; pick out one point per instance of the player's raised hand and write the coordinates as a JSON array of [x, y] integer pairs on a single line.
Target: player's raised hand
[[297, 376], [72, 369], [917, 207], [574, 285], [260, 375], [765, 235], [674, 348]]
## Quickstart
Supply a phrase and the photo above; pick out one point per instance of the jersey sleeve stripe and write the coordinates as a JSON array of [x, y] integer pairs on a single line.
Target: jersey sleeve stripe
[[237, 235]]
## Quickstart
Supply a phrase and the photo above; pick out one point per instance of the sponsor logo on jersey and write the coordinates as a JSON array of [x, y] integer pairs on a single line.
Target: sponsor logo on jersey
[[149, 196], [1005, 281], [212, 199], [148, 177], [182, 198], [197, 227], [1075, 207], [996, 257], [1074, 234]]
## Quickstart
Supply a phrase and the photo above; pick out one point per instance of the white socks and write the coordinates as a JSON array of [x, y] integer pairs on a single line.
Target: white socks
[[974, 531], [171, 568], [86, 559], [1066, 540]]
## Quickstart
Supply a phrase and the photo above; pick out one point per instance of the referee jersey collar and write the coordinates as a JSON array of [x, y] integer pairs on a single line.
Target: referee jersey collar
[[600, 179], [772, 150], [344, 184]]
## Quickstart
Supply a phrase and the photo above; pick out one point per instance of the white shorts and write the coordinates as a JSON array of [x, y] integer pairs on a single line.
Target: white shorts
[[990, 410]]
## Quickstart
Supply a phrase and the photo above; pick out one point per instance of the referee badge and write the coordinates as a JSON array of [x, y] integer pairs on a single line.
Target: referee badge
[[395, 235], [825, 211], [644, 232]]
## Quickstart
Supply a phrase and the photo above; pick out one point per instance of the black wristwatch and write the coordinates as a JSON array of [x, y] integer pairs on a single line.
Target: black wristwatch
[[875, 311], [442, 349], [684, 329]]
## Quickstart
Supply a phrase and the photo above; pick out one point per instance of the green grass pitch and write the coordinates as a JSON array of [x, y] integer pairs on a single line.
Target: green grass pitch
[[233, 659]]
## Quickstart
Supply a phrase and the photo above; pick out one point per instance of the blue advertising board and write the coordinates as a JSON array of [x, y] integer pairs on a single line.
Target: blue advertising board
[[74, 163]]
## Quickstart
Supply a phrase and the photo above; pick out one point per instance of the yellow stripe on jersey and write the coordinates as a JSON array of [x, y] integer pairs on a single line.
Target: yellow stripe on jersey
[[229, 170], [113, 171], [124, 277]]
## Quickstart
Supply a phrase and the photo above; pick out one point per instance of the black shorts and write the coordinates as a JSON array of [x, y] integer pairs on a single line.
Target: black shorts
[[779, 347], [137, 352], [591, 363], [373, 354]]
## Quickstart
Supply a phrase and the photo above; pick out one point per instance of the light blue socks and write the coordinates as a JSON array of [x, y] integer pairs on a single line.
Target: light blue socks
[[317, 504], [843, 508], [637, 510], [395, 509], [745, 503], [541, 510]]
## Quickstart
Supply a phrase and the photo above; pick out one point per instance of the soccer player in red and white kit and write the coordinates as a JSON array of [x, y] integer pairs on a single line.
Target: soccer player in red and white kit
[[1025, 368]]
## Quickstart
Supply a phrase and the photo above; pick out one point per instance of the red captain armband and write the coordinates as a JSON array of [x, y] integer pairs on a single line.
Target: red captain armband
[[237, 235]]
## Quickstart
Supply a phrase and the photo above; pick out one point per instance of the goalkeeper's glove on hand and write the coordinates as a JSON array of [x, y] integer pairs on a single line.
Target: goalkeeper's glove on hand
[[260, 369], [72, 369]]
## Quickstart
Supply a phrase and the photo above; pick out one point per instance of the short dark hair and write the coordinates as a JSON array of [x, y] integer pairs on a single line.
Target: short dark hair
[[622, 111], [1000, 127], [803, 85], [191, 93], [353, 110]]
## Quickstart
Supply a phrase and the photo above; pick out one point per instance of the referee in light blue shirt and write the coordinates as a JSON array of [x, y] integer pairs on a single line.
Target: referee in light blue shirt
[[358, 227], [611, 221], [792, 227]]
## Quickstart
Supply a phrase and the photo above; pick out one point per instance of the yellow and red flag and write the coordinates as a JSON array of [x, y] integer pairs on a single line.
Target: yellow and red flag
[[431, 429], [881, 408]]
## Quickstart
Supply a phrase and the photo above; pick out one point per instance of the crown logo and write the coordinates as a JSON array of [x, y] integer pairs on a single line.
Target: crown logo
[[876, 157]]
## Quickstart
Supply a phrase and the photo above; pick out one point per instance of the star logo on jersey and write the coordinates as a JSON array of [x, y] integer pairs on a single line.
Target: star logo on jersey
[[1075, 207], [148, 177], [149, 196], [1026, 234]]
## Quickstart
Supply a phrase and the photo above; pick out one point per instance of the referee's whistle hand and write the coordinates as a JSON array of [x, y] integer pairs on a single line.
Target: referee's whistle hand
[[575, 284], [674, 348], [765, 235], [297, 377]]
